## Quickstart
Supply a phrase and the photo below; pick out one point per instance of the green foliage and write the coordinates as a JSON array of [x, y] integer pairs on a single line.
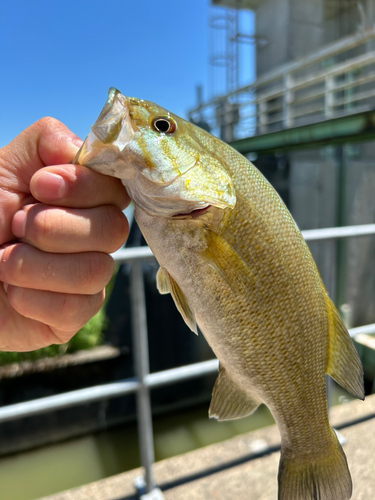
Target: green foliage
[[91, 335]]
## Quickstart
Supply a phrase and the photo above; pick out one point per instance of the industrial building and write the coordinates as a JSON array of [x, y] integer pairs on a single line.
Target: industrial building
[[306, 121]]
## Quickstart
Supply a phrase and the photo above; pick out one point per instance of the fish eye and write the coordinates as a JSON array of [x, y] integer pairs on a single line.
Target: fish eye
[[164, 125]]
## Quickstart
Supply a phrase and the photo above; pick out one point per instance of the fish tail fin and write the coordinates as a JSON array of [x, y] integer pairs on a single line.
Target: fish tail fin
[[326, 477]]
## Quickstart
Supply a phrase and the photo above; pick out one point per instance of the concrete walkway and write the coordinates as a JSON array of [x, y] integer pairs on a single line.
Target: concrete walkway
[[237, 470]]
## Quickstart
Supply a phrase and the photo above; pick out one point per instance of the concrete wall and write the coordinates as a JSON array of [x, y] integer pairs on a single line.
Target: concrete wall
[[313, 202], [295, 28], [272, 21]]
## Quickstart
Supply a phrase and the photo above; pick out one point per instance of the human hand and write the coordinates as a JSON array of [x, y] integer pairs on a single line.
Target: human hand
[[58, 222]]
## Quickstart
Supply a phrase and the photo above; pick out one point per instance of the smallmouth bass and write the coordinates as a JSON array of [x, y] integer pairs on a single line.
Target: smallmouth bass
[[236, 264]]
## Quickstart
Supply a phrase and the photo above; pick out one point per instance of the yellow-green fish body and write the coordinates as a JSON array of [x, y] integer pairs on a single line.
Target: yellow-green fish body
[[236, 264]]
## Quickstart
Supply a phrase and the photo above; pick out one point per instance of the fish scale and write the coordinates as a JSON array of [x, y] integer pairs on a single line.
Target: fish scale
[[236, 264]]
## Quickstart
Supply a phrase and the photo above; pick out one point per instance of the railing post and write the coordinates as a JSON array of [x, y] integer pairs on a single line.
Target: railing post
[[329, 100], [288, 101], [142, 369], [263, 118]]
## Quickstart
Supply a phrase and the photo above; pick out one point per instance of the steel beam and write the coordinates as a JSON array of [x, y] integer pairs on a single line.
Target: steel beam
[[349, 128]]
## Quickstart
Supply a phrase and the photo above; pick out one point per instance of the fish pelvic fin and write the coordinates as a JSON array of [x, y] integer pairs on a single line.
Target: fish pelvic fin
[[166, 284], [344, 365], [161, 282], [311, 478], [229, 401]]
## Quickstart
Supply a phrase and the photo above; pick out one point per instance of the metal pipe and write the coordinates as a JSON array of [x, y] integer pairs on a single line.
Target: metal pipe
[[182, 373], [68, 399], [142, 368], [144, 253], [330, 233], [367, 329], [132, 254], [106, 391]]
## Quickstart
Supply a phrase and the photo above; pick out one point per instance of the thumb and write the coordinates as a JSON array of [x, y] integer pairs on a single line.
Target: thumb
[[45, 142]]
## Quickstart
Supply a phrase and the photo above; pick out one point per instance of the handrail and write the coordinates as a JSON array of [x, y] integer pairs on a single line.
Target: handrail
[[341, 45], [299, 92], [128, 255], [124, 387], [106, 391]]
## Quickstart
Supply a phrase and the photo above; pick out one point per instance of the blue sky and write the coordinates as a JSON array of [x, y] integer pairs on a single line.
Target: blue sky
[[59, 57]]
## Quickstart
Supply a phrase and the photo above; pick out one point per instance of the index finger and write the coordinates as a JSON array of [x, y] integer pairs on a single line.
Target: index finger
[[77, 187]]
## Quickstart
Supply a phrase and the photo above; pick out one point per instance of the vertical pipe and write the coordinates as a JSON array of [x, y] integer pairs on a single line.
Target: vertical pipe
[[339, 297], [331, 282], [199, 94], [337, 274], [228, 68], [287, 101], [141, 358], [329, 96], [236, 51]]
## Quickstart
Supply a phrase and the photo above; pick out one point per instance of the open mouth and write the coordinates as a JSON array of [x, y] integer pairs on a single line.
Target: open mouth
[[194, 213]]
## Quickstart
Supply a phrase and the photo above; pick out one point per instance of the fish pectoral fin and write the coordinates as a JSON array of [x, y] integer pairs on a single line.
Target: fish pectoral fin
[[344, 365], [161, 282], [224, 259], [166, 284], [229, 401]]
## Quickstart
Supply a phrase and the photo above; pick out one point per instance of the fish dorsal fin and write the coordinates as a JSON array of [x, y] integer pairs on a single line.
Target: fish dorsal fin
[[344, 364], [224, 259], [229, 401], [166, 284], [161, 282]]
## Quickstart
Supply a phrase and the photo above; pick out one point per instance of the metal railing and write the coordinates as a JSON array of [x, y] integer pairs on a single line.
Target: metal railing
[[333, 81], [144, 381]]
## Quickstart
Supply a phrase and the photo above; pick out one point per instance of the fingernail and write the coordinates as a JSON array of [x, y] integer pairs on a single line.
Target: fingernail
[[19, 224], [49, 186], [5, 285], [77, 141]]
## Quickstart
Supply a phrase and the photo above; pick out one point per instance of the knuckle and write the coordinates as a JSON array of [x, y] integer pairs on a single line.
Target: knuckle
[[48, 123], [75, 311], [40, 225], [12, 268], [116, 227], [100, 270], [19, 299], [94, 271]]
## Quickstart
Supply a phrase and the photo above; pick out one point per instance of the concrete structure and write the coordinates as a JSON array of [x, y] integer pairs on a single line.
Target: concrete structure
[[239, 468], [316, 62], [317, 199]]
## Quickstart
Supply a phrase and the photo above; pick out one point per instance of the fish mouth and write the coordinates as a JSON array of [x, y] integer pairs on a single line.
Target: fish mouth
[[109, 135], [109, 123], [193, 214]]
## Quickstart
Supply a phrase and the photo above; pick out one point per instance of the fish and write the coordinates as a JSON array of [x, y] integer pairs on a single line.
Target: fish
[[237, 266]]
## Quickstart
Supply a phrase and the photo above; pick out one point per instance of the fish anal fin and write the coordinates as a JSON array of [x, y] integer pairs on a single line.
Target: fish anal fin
[[229, 401], [165, 284], [224, 259], [161, 282], [344, 365], [325, 476]]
